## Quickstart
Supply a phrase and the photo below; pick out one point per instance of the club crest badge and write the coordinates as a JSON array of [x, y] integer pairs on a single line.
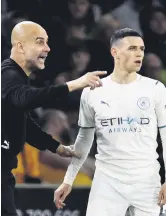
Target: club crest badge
[[143, 103]]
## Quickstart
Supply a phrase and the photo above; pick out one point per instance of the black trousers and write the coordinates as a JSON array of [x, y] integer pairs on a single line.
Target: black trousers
[[7, 194]]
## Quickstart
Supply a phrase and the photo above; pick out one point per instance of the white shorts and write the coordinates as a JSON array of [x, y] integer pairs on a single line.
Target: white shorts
[[110, 197]]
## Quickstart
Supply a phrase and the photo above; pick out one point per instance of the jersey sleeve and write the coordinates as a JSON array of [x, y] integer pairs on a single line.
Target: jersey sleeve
[[86, 112], [161, 105]]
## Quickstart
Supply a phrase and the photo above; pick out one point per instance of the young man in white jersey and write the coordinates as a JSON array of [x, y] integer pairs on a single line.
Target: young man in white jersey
[[125, 113]]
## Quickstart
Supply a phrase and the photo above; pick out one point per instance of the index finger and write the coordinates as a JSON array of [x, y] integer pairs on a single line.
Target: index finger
[[98, 73], [56, 202]]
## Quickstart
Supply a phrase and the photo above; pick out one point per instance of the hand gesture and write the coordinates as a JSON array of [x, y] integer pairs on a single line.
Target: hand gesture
[[67, 151], [90, 79], [60, 195]]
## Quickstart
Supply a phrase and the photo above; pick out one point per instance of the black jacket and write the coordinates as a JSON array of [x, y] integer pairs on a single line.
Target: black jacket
[[18, 98]]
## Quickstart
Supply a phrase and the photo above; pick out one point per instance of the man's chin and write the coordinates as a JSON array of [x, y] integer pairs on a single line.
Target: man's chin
[[41, 66], [134, 70], [137, 69]]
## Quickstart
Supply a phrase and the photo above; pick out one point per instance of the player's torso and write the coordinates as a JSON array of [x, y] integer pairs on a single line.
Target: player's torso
[[125, 117]]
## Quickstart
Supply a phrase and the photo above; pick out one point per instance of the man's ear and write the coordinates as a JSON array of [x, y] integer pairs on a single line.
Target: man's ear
[[114, 52], [20, 47]]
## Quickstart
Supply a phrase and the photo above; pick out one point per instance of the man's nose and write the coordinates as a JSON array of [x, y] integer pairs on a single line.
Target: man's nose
[[47, 48]]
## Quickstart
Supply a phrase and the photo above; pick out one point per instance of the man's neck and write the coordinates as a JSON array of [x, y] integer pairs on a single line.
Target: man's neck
[[21, 63], [123, 77]]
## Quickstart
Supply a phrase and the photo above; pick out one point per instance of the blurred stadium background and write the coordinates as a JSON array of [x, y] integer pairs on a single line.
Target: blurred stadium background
[[79, 33]]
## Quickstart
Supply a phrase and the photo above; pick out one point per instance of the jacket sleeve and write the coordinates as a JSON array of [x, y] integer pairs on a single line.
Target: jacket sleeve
[[26, 97], [36, 137]]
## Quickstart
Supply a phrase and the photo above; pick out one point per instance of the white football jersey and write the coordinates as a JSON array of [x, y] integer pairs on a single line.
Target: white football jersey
[[126, 118]]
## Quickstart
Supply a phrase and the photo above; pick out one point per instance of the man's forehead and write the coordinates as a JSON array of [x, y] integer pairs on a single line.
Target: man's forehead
[[39, 36], [132, 41], [35, 33]]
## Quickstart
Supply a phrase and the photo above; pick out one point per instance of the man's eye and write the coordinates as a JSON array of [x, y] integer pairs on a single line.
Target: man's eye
[[40, 42]]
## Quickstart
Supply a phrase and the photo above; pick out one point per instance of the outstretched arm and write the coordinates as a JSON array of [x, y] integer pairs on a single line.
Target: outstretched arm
[[27, 97]]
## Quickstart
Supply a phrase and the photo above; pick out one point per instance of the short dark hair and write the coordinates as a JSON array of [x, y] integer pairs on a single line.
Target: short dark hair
[[122, 33]]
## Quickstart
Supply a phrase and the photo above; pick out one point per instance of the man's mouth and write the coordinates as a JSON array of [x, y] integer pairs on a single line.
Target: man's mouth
[[42, 58], [138, 62]]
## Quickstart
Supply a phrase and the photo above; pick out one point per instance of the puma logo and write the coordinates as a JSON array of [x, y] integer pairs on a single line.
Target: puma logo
[[103, 102], [5, 145]]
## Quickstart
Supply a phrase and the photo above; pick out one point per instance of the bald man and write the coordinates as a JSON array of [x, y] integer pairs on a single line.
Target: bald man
[[29, 52]]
